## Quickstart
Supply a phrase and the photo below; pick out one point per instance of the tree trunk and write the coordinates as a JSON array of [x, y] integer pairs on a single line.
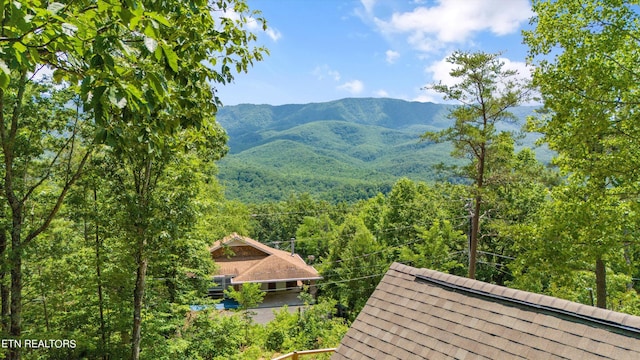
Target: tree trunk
[[44, 301], [98, 243], [475, 218], [15, 330], [601, 284], [4, 289], [142, 189], [473, 242], [138, 295]]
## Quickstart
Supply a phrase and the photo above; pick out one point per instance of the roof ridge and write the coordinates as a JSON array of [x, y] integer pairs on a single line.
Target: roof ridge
[[255, 265], [545, 302]]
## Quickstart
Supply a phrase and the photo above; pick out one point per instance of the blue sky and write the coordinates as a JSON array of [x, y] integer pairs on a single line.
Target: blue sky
[[323, 50]]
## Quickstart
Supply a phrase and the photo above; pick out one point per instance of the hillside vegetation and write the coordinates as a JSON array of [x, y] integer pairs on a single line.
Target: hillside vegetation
[[357, 146]]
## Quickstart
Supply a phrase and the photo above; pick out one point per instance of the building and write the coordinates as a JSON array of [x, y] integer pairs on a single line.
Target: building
[[425, 314], [243, 260]]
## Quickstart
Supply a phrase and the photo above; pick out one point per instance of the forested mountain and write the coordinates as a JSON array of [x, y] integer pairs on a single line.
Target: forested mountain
[[339, 150]]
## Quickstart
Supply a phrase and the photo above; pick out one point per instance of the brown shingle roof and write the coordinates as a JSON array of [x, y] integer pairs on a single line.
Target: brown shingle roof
[[425, 314], [264, 265]]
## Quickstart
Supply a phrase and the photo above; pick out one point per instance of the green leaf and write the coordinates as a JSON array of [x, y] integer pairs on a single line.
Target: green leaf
[[158, 54], [58, 76], [4, 80], [159, 18], [171, 56], [150, 31], [19, 47], [156, 85], [101, 136], [97, 61]]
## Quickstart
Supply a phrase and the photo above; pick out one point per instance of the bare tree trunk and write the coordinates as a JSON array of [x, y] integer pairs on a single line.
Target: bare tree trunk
[[473, 243], [475, 219]]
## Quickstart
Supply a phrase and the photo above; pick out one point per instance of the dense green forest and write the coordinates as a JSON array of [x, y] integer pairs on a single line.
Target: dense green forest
[[343, 150], [116, 178]]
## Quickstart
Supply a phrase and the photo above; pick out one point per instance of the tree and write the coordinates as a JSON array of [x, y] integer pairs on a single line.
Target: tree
[[572, 229], [436, 250], [590, 93], [141, 63], [312, 327], [311, 241], [485, 92], [354, 266], [43, 152], [249, 296], [515, 191]]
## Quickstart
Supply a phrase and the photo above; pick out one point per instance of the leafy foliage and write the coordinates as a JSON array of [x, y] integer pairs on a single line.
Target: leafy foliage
[[589, 88], [486, 93]]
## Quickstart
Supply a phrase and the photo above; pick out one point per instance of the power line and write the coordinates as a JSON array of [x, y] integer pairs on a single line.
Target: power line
[[497, 255]]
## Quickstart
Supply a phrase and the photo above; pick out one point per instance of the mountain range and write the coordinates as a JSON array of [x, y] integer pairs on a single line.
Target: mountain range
[[341, 150]]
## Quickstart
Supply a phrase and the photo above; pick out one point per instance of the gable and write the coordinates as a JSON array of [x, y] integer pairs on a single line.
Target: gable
[[252, 261], [420, 313], [236, 251]]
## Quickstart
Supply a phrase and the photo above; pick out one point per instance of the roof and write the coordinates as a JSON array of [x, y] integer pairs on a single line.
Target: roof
[[261, 263], [421, 313]]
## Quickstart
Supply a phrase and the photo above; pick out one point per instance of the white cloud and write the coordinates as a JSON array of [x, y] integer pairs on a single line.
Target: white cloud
[[428, 96], [274, 34], [254, 25], [524, 71], [322, 72], [392, 56], [439, 72], [368, 5], [381, 93], [354, 87], [455, 21]]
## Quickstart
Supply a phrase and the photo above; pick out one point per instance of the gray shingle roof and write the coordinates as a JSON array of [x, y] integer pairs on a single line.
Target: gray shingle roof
[[425, 314]]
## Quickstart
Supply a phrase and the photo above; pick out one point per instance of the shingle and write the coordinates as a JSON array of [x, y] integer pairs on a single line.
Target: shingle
[[621, 353], [487, 351], [618, 341], [572, 327], [597, 334], [461, 353], [407, 319], [632, 321]]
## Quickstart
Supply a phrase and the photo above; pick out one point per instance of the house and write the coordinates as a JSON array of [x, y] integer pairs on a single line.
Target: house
[[425, 314], [243, 260]]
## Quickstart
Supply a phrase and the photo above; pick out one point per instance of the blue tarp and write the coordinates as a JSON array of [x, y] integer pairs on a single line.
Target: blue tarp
[[224, 304]]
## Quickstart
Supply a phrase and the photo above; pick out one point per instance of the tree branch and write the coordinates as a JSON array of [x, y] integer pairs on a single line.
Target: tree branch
[[60, 199]]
